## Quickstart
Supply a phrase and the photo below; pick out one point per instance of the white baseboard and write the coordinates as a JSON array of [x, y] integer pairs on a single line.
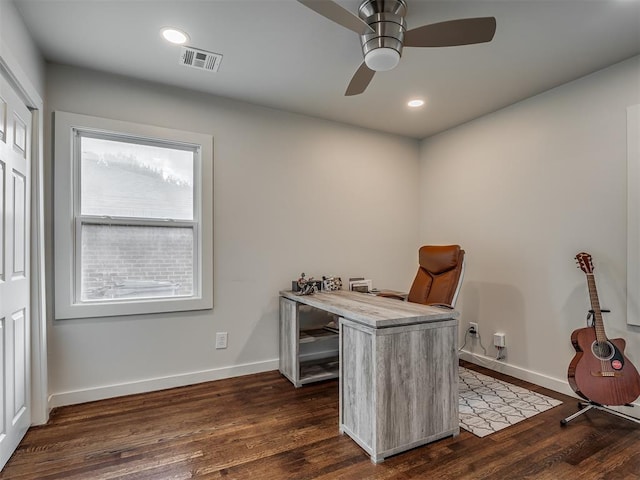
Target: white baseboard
[[159, 383], [172, 381], [555, 384]]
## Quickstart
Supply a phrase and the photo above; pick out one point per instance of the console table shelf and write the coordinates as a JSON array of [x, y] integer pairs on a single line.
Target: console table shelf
[[308, 350], [318, 370], [316, 335]]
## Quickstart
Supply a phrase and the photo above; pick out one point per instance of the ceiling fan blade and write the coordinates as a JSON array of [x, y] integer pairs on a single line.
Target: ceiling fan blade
[[360, 80], [465, 31], [336, 13]]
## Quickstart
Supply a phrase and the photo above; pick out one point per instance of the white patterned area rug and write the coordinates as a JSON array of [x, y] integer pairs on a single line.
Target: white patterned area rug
[[488, 405]]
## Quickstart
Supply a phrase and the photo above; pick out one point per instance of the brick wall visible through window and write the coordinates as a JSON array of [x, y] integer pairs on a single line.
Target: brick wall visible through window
[[125, 261]]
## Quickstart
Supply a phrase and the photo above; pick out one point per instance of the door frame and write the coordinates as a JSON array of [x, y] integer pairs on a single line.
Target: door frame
[[10, 68]]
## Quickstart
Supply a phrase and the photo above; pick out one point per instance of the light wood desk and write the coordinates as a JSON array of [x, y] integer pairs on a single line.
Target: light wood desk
[[398, 367]]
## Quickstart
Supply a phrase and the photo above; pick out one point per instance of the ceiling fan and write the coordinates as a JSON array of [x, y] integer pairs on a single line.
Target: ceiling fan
[[383, 33]]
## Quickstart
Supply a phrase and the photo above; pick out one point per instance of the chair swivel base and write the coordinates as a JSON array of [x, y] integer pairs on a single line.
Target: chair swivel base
[[586, 406]]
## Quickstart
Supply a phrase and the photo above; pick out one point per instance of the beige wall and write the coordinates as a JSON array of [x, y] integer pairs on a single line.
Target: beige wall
[[291, 194], [523, 190], [18, 49]]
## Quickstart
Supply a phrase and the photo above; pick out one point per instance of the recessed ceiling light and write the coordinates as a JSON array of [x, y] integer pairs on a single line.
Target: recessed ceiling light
[[415, 103], [174, 36]]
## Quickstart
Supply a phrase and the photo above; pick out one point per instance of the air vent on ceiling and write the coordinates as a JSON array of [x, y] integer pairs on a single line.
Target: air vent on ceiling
[[200, 59]]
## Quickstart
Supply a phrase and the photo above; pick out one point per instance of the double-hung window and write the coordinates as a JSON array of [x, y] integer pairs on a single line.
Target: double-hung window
[[133, 218]]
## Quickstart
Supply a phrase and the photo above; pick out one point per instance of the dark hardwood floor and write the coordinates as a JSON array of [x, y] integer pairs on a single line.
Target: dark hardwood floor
[[261, 427]]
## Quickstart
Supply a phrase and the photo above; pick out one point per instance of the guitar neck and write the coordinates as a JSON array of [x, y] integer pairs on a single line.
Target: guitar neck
[[598, 324]]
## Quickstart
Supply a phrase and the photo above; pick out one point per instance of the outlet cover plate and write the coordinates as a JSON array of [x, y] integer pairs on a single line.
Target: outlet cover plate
[[474, 326], [221, 340]]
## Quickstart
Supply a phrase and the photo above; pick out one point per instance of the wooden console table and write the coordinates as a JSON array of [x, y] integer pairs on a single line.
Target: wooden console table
[[398, 367]]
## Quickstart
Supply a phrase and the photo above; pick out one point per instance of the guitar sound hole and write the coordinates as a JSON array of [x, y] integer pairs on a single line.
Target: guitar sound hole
[[602, 350]]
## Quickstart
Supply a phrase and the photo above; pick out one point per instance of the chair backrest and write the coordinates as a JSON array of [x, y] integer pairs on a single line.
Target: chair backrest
[[439, 275]]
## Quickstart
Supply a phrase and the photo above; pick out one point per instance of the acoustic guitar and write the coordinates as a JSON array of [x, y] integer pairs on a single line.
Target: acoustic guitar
[[600, 372]]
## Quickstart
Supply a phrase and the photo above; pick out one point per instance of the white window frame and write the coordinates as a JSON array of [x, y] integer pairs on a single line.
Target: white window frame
[[68, 219]]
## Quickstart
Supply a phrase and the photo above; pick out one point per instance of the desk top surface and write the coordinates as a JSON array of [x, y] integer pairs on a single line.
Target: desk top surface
[[377, 312]]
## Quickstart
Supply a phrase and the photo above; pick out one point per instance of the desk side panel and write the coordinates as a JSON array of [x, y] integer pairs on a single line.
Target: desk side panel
[[357, 384], [417, 389], [288, 334]]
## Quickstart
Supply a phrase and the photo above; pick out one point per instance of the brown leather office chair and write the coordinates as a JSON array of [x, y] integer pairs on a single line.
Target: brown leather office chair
[[440, 272], [439, 275]]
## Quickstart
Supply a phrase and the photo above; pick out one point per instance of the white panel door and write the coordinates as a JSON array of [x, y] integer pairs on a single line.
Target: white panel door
[[15, 162]]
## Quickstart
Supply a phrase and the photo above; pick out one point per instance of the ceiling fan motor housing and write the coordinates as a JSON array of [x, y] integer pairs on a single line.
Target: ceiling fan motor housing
[[384, 47]]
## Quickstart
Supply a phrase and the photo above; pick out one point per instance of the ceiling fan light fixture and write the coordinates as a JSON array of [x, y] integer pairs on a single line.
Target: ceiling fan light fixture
[[382, 59], [383, 34], [174, 35]]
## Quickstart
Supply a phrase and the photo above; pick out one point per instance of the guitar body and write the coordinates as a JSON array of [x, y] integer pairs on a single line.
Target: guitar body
[[600, 372]]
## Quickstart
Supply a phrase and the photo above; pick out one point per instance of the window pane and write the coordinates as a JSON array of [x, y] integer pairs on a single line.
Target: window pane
[[122, 179], [136, 262]]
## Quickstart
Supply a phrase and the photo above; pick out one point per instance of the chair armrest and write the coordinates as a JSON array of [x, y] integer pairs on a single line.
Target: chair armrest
[[441, 305], [391, 294]]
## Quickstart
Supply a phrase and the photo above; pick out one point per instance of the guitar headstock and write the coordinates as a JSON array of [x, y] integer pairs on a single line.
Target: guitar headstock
[[583, 260]]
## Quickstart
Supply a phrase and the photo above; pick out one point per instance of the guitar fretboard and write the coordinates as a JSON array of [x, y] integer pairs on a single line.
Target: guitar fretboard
[[598, 324]]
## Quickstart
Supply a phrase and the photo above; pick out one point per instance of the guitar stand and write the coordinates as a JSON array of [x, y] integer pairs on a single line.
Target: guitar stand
[[586, 406]]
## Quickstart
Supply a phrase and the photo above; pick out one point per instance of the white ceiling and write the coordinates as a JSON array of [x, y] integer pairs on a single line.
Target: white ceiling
[[280, 54]]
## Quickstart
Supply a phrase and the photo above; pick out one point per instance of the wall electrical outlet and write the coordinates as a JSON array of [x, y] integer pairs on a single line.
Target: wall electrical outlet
[[473, 328], [221, 340]]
